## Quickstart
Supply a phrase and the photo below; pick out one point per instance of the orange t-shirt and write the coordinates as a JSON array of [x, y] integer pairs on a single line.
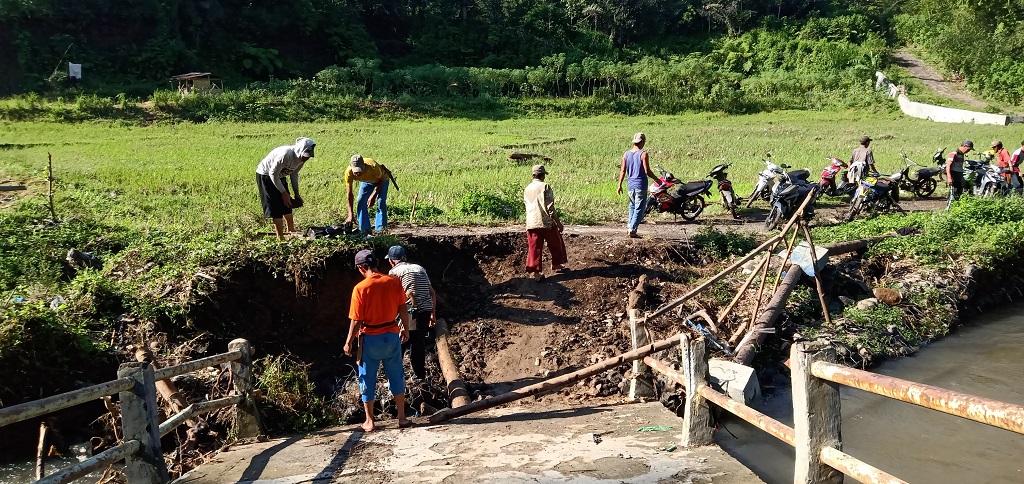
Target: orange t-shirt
[[375, 301]]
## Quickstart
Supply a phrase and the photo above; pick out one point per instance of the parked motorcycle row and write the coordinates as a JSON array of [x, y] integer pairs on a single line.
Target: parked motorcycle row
[[785, 189]]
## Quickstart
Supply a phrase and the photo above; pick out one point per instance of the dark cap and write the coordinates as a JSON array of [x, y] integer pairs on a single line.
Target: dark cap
[[865, 139], [968, 143], [396, 252], [365, 258]]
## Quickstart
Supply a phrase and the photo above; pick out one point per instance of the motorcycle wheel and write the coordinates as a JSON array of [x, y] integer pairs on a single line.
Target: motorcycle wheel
[[651, 204], [925, 188], [773, 218], [692, 208], [855, 209]]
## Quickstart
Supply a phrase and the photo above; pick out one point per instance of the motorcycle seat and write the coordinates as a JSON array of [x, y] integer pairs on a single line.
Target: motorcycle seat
[[694, 187], [928, 172], [799, 175]]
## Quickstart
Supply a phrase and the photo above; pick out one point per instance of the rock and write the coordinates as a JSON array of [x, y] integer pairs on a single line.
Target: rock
[[846, 301], [865, 304], [891, 297]]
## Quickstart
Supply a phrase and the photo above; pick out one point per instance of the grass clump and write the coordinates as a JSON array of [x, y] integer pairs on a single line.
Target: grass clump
[[289, 397], [719, 245]]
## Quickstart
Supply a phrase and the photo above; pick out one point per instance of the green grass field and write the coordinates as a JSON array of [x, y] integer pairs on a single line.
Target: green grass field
[[199, 178]]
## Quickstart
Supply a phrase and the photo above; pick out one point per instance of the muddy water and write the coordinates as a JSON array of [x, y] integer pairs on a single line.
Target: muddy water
[[914, 443]]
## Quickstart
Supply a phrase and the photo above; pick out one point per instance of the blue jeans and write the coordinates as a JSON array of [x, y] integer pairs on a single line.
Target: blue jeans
[[637, 207], [381, 348], [363, 212]]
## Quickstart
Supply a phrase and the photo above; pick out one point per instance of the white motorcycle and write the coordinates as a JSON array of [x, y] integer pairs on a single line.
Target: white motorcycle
[[765, 181]]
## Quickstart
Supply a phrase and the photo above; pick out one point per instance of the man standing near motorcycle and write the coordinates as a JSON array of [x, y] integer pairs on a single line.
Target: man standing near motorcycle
[[862, 158], [542, 225], [636, 166], [955, 171], [1015, 161], [1003, 160]]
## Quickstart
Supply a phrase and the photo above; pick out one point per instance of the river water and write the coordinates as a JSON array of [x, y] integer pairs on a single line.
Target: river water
[[913, 443]]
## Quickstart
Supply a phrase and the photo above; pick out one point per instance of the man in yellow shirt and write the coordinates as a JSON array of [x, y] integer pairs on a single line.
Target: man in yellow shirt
[[373, 181]]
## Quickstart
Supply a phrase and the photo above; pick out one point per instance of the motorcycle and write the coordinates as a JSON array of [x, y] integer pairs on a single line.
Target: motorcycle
[[987, 179], [876, 194], [828, 185], [923, 183], [765, 181], [669, 194], [729, 200], [787, 195]]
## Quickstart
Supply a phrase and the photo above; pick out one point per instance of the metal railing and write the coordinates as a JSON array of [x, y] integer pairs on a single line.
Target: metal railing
[[136, 390], [816, 432]]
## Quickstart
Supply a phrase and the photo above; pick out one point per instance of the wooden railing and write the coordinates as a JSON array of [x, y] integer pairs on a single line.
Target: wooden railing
[[136, 389], [816, 432]]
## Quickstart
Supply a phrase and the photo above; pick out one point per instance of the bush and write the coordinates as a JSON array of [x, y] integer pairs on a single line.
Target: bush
[[488, 204]]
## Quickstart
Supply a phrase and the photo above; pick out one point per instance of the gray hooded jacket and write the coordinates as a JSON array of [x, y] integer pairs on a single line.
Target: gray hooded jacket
[[286, 161]]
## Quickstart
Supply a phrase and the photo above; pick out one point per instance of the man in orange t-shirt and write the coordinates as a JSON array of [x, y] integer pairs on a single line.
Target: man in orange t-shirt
[[377, 301]]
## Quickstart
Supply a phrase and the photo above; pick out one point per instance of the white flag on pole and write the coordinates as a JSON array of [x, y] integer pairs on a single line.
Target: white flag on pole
[[75, 70]]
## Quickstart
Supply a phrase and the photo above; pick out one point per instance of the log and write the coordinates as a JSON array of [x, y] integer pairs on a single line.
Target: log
[[12, 188], [641, 385], [816, 415], [165, 388], [457, 393], [41, 450], [555, 383]]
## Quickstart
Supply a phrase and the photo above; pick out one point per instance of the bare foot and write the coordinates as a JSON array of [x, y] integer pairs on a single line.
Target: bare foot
[[368, 427], [404, 424]]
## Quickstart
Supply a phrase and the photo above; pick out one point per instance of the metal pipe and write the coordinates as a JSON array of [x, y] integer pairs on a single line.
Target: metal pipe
[[190, 366], [35, 408], [773, 427], [856, 468], [979, 409], [102, 459], [196, 409]]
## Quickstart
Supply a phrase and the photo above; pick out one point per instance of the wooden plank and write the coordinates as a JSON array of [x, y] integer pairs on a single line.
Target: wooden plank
[[816, 415], [35, 408], [979, 409], [457, 393], [139, 422], [97, 461], [247, 422], [697, 413], [198, 408], [856, 468], [555, 383], [190, 366]]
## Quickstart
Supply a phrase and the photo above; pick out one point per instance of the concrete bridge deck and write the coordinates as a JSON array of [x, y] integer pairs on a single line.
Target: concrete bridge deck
[[519, 444]]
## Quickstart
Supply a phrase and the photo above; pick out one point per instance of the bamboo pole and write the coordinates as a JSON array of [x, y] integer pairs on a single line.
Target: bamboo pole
[[44, 431], [817, 280], [555, 383], [743, 288], [757, 303], [49, 185], [457, 393]]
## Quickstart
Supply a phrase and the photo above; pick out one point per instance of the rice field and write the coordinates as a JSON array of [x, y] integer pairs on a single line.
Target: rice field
[[199, 177]]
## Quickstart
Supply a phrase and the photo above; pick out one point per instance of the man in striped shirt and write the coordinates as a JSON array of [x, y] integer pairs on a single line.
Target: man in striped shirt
[[422, 305]]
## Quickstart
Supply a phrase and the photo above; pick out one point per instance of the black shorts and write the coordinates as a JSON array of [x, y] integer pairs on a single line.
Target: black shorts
[[273, 206]]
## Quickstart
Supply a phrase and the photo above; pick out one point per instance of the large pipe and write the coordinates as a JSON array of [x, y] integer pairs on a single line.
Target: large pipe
[[979, 409], [773, 427], [457, 393], [557, 382]]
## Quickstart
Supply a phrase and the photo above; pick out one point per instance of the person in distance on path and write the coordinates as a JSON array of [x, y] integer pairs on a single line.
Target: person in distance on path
[[377, 307], [863, 158], [374, 180], [542, 225], [955, 172], [422, 303], [636, 167], [281, 162]]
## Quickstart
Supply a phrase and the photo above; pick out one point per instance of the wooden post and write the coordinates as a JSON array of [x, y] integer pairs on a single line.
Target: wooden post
[[697, 417], [412, 213], [139, 422], [41, 450], [816, 415], [247, 417], [457, 393], [49, 185], [641, 386]]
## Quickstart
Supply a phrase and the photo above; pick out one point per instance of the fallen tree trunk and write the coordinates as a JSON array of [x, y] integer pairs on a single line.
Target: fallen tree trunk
[[557, 382], [766, 320], [457, 393]]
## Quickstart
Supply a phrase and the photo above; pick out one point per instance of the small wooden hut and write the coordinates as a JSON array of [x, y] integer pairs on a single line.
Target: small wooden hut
[[199, 81]]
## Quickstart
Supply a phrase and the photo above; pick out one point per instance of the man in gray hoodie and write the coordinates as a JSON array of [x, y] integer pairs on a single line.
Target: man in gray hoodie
[[281, 162]]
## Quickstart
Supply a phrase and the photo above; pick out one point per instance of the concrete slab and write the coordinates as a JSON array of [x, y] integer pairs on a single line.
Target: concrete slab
[[519, 444]]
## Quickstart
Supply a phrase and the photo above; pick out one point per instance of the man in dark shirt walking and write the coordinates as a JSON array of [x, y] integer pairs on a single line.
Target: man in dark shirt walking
[[422, 303], [955, 172]]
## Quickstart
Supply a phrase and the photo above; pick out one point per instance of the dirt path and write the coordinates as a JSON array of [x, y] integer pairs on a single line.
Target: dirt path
[[519, 444], [934, 80]]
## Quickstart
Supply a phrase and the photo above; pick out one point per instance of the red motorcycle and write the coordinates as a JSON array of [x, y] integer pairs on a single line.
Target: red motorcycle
[[828, 185], [668, 194]]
